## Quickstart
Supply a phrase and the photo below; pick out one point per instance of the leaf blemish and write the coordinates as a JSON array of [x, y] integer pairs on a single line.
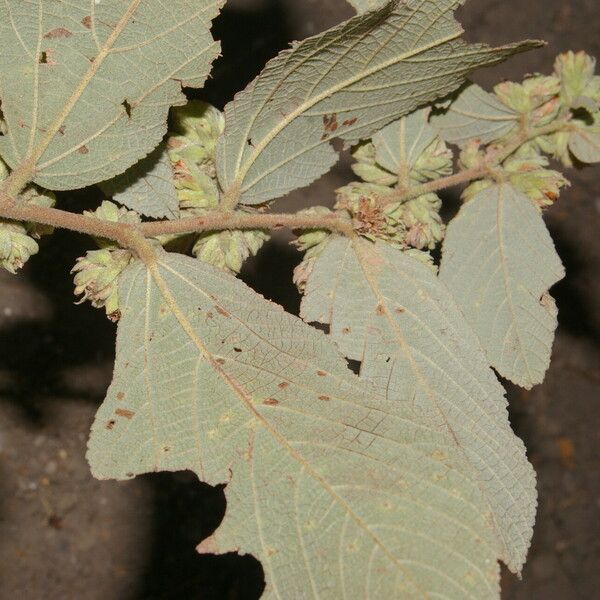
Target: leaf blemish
[[87, 22], [346, 330], [124, 412], [83, 149], [349, 122], [271, 402], [125, 104], [222, 311], [283, 385], [237, 349], [399, 310], [110, 424], [324, 398], [321, 373], [120, 396], [220, 361], [380, 310], [59, 32]]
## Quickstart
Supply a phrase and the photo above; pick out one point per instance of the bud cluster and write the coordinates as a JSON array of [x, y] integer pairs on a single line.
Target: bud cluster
[[96, 273], [18, 240], [196, 128]]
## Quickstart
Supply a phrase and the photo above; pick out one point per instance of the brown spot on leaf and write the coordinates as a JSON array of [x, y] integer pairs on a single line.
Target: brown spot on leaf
[[349, 122], [55, 521], [237, 349], [59, 32], [61, 130], [399, 310], [325, 398], [330, 123], [271, 402], [125, 104], [283, 385], [220, 361], [110, 424], [380, 310], [83, 149], [346, 330], [321, 373], [123, 412], [87, 22], [222, 311], [120, 396]]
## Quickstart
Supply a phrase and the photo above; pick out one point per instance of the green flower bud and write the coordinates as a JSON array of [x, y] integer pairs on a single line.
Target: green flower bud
[[32, 194], [367, 168], [472, 156], [109, 211], [434, 162], [528, 173], [15, 246], [312, 237], [555, 144], [530, 95], [196, 128], [229, 249], [579, 87], [424, 226], [96, 278], [196, 190]]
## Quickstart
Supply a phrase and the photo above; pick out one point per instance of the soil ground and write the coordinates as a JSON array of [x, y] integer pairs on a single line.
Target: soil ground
[[65, 536]]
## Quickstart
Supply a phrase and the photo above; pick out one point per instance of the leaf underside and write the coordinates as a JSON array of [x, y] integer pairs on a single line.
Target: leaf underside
[[392, 313], [147, 187], [348, 83], [86, 86], [499, 263], [338, 490], [475, 114]]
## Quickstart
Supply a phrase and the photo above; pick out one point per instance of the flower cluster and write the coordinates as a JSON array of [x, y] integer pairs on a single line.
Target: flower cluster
[[97, 272], [18, 240], [192, 149]]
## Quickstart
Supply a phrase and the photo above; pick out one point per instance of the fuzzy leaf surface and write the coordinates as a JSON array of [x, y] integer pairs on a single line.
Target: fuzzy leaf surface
[[147, 187], [348, 83], [474, 114], [499, 263], [584, 142], [339, 491], [399, 144], [86, 86], [392, 313]]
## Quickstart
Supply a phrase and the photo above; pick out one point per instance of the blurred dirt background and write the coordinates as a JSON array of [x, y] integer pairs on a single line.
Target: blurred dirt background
[[66, 536]]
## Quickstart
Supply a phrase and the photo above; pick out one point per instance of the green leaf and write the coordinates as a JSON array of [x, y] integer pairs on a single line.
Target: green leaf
[[278, 130], [340, 492], [475, 114], [392, 313], [499, 262], [584, 141], [147, 187], [86, 86], [364, 5]]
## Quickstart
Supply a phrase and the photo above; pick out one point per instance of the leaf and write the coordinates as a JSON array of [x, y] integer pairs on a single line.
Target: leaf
[[400, 144], [392, 313], [86, 86], [499, 262], [348, 82], [340, 492], [362, 6], [474, 114], [584, 142], [147, 187]]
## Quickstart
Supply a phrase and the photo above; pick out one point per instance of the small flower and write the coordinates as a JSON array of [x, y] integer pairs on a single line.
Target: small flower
[[434, 162], [229, 249], [579, 87], [96, 278], [15, 246]]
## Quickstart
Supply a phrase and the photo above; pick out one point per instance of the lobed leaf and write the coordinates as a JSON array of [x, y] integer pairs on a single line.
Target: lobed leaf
[[474, 114], [86, 86], [392, 313], [499, 262], [147, 187], [339, 491], [348, 83]]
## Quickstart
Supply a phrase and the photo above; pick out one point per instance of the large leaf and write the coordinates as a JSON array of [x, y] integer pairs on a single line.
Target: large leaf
[[475, 114], [348, 82], [584, 141], [339, 491], [147, 187], [392, 313], [499, 262], [86, 86]]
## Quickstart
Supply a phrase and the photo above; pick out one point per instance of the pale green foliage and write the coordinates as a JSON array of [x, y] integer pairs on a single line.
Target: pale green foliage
[[340, 492], [278, 129], [147, 187], [390, 312], [86, 86], [499, 263], [475, 114], [405, 481]]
